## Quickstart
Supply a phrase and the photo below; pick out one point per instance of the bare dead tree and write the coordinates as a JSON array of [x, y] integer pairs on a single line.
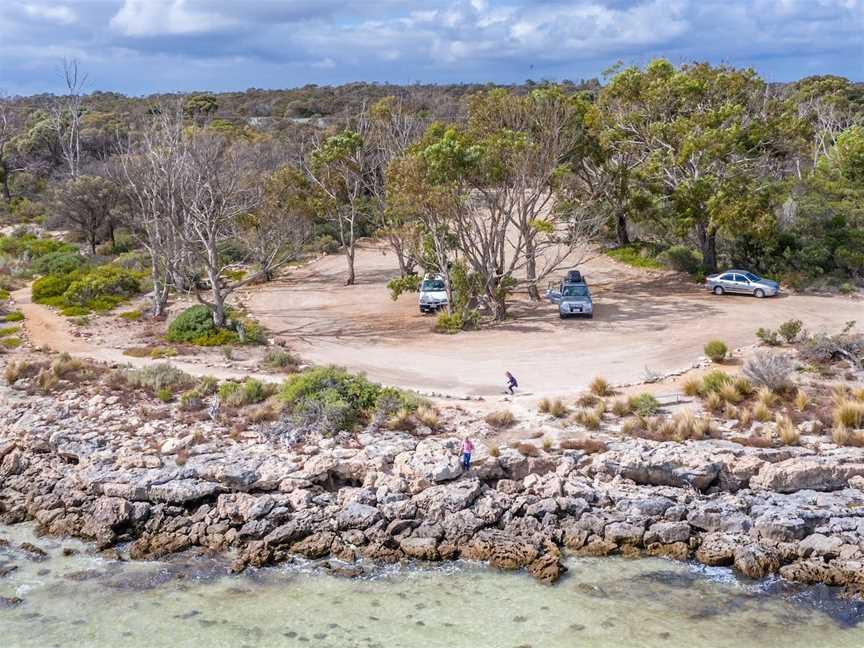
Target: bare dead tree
[[150, 170], [66, 116]]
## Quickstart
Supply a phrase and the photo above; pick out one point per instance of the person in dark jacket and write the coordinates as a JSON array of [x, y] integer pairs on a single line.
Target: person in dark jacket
[[511, 382]]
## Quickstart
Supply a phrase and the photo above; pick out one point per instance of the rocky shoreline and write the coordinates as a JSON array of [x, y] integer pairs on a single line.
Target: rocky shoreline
[[90, 466]]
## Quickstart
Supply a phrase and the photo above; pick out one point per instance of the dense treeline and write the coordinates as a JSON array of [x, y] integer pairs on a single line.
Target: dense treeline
[[492, 187]]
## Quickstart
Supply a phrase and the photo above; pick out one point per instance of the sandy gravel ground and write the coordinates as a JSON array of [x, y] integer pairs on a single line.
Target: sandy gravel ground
[[642, 320]]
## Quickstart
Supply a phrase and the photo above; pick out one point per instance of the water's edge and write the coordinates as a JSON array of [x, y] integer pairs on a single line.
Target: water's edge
[[76, 596]]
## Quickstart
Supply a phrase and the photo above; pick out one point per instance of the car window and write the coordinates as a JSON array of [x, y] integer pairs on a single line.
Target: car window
[[575, 291], [432, 285], [726, 277], [741, 278], [753, 277]]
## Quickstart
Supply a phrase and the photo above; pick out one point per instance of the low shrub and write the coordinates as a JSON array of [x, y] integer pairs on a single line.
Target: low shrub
[[428, 416], [644, 404], [248, 392], [500, 419], [768, 337], [456, 322], [681, 258], [195, 326], [637, 255], [50, 289], [20, 369], [59, 263], [11, 342], [771, 370], [282, 359], [131, 315], [8, 330], [402, 419], [74, 311], [716, 350], [14, 316], [157, 377], [494, 450], [102, 286], [600, 387], [790, 330]]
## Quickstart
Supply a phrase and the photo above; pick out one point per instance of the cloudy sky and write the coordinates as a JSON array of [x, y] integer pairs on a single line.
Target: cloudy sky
[[143, 46]]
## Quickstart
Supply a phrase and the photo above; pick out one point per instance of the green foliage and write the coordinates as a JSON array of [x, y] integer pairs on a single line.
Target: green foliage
[[195, 326], [248, 392], [102, 288], [58, 263], [131, 315], [644, 404], [457, 322], [638, 255], [769, 337], [74, 311], [714, 381], [790, 330], [10, 342], [29, 247], [8, 330], [157, 377], [399, 285], [281, 359], [50, 289], [681, 258], [14, 316], [716, 350]]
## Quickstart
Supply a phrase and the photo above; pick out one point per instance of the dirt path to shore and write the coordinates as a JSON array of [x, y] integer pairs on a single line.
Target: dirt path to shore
[[653, 321]]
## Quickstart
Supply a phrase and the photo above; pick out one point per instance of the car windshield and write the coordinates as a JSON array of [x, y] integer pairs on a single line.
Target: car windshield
[[752, 277], [574, 291], [432, 285]]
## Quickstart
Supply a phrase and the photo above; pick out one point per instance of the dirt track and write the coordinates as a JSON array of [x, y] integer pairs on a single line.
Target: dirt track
[[641, 320]]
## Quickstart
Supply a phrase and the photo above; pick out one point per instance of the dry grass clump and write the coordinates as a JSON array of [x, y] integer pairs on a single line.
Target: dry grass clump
[[840, 435], [494, 450], [588, 444], [500, 419], [527, 449], [745, 417], [586, 400], [729, 393], [281, 359], [714, 402], [620, 407], [47, 380], [547, 444], [267, 411], [730, 411], [858, 394], [849, 414], [839, 394], [761, 412], [587, 418], [555, 408], [802, 400], [787, 430], [428, 416], [766, 397], [401, 419], [762, 440], [151, 352], [743, 385], [714, 380], [692, 386], [17, 370], [601, 387]]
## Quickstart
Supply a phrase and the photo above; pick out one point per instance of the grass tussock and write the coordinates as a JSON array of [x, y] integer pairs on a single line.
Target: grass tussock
[[500, 419], [248, 392], [787, 431], [494, 450], [644, 404], [281, 360], [632, 426], [587, 418], [714, 402], [761, 412], [555, 407], [692, 386], [729, 393], [402, 419], [766, 396], [601, 387], [587, 400], [849, 414], [620, 407], [428, 416], [802, 400]]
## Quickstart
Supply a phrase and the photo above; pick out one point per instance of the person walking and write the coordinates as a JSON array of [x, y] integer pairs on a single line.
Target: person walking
[[467, 449], [511, 382]]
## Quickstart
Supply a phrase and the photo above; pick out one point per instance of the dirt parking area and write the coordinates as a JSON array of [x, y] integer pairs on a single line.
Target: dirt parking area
[[657, 322]]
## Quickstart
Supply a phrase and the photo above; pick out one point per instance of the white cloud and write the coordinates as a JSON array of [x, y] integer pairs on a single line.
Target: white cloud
[[166, 17], [58, 14]]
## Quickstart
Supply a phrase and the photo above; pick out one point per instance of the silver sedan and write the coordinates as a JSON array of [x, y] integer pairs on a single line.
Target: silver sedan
[[741, 282]]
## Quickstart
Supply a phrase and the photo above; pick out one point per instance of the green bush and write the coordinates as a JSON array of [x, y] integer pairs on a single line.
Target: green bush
[[131, 315], [50, 289], [790, 330], [74, 311], [10, 342], [103, 287], [281, 359], [157, 377], [59, 263], [8, 330], [713, 381], [716, 350], [681, 258], [14, 316], [195, 326], [644, 404], [248, 392], [457, 322], [768, 336]]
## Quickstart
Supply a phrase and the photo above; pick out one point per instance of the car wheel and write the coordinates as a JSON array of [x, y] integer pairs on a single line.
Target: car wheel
[[562, 316], [759, 293], [718, 290]]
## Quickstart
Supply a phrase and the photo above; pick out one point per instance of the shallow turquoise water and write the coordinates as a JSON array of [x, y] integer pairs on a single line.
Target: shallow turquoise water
[[86, 601]]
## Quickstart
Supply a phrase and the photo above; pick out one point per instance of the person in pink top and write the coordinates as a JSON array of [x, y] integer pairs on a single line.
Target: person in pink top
[[467, 449]]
